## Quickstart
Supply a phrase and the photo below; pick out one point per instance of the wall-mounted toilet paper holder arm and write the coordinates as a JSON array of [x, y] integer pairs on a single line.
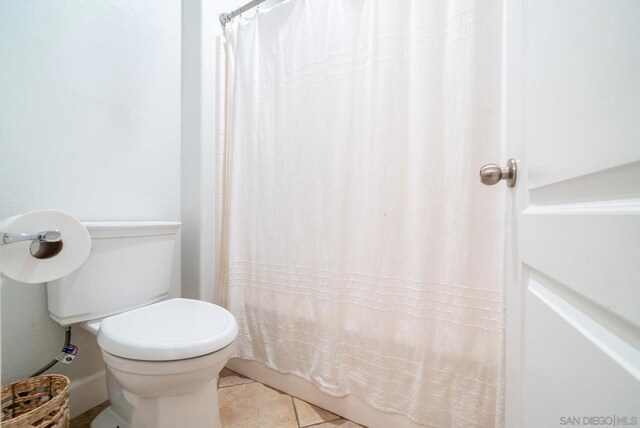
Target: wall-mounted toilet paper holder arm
[[43, 244], [47, 236]]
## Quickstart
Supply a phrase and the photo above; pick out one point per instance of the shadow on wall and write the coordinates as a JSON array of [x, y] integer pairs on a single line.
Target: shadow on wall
[[31, 340]]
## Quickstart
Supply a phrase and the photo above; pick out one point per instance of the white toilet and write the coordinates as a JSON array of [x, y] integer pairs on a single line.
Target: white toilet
[[162, 358]]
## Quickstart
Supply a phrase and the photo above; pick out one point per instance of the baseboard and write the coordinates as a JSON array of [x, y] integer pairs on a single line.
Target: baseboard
[[87, 393], [349, 407]]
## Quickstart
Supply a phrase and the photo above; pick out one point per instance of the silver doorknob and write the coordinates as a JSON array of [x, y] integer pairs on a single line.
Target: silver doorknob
[[491, 174]]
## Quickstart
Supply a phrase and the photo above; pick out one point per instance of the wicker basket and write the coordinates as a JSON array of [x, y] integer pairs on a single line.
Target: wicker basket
[[36, 402]]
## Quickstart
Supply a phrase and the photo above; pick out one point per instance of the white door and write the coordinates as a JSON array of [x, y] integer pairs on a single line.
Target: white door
[[573, 301]]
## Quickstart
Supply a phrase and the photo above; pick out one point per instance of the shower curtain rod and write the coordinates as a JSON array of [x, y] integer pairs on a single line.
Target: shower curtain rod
[[226, 17]]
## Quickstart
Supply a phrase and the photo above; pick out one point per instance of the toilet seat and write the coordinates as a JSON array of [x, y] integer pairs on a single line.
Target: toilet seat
[[174, 329]]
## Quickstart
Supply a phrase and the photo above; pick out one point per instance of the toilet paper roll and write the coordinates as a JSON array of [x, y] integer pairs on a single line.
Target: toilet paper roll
[[16, 261]]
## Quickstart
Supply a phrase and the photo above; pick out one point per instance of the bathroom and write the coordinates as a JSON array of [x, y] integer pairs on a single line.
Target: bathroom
[[315, 166]]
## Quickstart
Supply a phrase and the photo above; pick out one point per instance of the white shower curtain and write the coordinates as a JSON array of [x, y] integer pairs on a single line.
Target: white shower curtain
[[360, 250]]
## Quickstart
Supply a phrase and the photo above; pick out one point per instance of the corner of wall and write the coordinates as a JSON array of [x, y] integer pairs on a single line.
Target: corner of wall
[[200, 27]]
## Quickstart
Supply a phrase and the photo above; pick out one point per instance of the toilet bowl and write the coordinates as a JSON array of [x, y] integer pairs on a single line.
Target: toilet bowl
[[162, 357], [163, 363], [182, 393]]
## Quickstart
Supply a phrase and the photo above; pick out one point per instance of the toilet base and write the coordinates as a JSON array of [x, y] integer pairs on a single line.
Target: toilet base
[[196, 410], [163, 394], [109, 419]]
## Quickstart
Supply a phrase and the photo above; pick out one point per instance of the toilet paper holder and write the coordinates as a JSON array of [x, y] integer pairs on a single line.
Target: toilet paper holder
[[44, 245]]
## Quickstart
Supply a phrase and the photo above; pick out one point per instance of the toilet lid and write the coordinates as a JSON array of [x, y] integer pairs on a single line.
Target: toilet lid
[[170, 330]]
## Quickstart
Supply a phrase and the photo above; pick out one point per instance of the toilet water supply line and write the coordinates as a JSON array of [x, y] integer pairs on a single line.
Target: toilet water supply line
[[65, 356]]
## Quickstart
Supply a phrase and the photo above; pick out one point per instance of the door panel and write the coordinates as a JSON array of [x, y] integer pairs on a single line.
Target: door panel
[[620, 183], [581, 87], [582, 369], [590, 249], [573, 304]]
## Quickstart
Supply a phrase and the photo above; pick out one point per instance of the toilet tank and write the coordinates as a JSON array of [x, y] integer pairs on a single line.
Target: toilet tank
[[129, 266]]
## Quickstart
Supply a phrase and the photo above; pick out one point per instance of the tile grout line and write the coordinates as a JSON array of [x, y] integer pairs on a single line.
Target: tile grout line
[[237, 384], [322, 422], [295, 410]]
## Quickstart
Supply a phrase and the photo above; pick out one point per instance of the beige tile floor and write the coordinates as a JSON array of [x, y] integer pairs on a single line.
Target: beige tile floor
[[245, 403]]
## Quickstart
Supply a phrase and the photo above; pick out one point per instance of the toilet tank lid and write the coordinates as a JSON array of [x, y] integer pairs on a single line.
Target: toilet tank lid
[[174, 329], [123, 229]]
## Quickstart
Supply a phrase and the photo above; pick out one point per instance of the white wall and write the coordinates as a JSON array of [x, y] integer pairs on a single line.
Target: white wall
[[201, 28], [90, 124]]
